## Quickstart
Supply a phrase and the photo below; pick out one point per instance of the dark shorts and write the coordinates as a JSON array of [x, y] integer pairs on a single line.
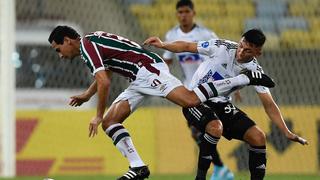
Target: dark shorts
[[199, 116], [235, 122]]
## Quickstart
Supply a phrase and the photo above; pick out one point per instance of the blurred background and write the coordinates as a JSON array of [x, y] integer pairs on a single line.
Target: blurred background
[[51, 139]]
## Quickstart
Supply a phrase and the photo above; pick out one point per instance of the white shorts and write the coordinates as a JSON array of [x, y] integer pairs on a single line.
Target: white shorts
[[148, 83]]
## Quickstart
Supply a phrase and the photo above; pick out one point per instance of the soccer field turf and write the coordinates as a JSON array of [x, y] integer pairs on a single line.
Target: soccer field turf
[[172, 177]]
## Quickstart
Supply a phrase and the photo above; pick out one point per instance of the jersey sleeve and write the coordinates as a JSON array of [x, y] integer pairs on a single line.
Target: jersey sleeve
[[207, 48], [91, 55]]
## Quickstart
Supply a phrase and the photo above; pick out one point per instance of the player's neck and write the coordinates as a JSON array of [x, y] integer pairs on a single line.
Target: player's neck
[[187, 28]]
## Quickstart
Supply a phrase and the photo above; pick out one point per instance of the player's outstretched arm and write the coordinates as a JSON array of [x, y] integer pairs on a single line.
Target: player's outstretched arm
[[274, 114], [103, 83], [78, 100], [176, 46]]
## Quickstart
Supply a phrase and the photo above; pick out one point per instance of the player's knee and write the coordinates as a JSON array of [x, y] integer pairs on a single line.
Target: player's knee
[[214, 128], [190, 101], [257, 137]]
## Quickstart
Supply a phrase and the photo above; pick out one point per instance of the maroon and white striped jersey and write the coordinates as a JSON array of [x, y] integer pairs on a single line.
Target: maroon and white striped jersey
[[101, 50]]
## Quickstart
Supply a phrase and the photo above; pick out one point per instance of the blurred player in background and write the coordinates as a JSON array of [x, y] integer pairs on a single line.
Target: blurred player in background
[[188, 30], [228, 59], [148, 75]]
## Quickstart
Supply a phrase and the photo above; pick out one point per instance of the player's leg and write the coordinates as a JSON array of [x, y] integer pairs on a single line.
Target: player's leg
[[186, 98], [112, 125], [205, 121], [256, 138], [166, 85], [237, 125], [220, 171]]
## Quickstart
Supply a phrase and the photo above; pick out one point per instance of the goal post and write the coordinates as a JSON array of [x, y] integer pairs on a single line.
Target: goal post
[[7, 88]]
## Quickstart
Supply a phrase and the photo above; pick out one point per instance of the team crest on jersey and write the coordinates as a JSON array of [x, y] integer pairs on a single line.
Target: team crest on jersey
[[224, 65], [205, 44]]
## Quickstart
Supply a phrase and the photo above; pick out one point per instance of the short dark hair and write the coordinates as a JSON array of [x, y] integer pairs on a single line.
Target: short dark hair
[[188, 3], [255, 36], [57, 35]]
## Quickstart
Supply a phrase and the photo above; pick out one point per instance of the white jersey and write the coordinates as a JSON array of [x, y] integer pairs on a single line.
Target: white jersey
[[189, 61], [222, 64]]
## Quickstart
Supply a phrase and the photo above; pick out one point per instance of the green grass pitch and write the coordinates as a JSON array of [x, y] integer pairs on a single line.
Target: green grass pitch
[[242, 176]]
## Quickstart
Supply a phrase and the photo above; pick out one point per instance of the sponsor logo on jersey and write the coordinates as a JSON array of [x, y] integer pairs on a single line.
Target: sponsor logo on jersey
[[205, 44], [185, 58], [215, 76]]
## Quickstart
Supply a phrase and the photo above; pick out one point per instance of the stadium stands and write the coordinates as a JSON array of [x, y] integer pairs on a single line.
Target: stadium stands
[[282, 20]]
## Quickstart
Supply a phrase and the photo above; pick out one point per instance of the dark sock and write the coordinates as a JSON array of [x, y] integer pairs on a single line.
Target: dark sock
[[207, 151], [216, 159], [257, 162]]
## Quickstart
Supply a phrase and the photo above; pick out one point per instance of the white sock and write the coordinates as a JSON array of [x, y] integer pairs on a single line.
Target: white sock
[[123, 142], [125, 145], [226, 86], [223, 87]]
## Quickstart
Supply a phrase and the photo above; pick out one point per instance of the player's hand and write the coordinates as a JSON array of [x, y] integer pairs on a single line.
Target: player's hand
[[78, 100], [154, 41], [296, 138], [93, 126]]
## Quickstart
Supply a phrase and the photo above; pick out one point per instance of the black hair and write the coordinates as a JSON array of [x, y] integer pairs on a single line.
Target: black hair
[[188, 3], [255, 36], [57, 35]]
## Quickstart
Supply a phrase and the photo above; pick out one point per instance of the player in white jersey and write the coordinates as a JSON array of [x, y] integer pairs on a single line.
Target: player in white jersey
[[228, 59], [188, 30]]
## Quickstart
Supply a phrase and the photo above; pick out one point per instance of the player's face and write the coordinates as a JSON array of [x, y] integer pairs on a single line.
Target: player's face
[[247, 51], [65, 50], [185, 15]]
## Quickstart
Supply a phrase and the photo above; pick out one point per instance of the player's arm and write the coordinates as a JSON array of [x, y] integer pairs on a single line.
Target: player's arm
[[176, 46], [103, 82], [78, 100], [274, 114]]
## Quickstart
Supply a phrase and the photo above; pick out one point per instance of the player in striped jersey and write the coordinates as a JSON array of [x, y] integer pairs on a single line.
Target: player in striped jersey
[[105, 53], [188, 30], [218, 116]]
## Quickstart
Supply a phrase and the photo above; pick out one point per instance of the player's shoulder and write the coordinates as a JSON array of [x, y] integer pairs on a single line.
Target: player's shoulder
[[99, 34], [228, 44], [172, 32], [202, 28]]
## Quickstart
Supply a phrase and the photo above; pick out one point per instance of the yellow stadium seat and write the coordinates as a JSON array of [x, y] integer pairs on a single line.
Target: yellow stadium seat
[[272, 42], [210, 10], [221, 25], [302, 9], [314, 23], [296, 39], [244, 10]]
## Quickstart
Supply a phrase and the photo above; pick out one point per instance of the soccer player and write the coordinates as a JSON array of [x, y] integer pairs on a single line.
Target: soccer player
[[105, 53], [228, 59], [188, 30]]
